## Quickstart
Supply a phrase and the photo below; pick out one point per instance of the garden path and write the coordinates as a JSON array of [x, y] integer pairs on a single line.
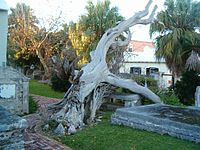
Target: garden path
[[34, 140]]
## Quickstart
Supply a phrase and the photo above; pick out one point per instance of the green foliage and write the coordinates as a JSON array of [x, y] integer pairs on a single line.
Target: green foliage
[[21, 28], [151, 82], [86, 33], [33, 105], [29, 43], [52, 124], [169, 97], [175, 29], [105, 136], [58, 84], [43, 90], [186, 87]]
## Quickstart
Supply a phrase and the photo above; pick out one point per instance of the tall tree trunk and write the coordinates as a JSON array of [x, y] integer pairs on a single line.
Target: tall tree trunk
[[47, 72], [92, 83]]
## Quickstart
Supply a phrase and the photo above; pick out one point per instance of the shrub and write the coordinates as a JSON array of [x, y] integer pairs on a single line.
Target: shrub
[[186, 87], [151, 82], [169, 97], [58, 84], [52, 124], [33, 105]]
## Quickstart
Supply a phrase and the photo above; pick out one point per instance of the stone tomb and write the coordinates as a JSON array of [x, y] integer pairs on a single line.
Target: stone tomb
[[11, 131], [13, 91], [179, 122]]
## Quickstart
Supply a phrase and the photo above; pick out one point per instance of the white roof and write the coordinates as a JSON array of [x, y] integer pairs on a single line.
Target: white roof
[[3, 5]]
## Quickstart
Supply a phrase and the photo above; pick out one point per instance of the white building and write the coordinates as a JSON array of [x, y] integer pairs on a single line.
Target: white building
[[140, 60]]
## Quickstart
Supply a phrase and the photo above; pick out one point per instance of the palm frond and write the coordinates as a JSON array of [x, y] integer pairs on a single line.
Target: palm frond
[[193, 62]]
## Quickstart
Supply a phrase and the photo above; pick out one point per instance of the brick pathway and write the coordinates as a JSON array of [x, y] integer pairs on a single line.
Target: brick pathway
[[33, 139]]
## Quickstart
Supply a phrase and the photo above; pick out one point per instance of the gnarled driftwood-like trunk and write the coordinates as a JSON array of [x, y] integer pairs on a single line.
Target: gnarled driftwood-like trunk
[[94, 81]]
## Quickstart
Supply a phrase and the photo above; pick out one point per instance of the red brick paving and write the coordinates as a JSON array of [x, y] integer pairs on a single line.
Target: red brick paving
[[37, 141], [33, 139]]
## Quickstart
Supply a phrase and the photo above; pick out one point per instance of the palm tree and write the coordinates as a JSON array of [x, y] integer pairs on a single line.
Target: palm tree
[[177, 40], [86, 33]]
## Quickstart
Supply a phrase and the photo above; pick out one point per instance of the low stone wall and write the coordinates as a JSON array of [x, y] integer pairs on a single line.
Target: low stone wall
[[11, 130]]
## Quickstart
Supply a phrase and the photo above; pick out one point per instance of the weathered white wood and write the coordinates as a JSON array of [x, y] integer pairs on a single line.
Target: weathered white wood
[[85, 96], [97, 71], [132, 86]]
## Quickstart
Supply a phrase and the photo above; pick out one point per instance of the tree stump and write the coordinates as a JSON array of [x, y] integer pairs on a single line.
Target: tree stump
[[94, 81]]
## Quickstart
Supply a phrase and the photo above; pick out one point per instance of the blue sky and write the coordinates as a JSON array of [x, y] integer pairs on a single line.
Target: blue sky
[[72, 9]]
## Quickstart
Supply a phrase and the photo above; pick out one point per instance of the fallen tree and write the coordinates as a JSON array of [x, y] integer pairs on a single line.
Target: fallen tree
[[95, 81]]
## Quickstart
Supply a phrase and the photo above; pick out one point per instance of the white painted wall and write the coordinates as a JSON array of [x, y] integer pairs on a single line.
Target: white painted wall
[[162, 67], [147, 59], [3, 32], [163, 81], [3, 5]]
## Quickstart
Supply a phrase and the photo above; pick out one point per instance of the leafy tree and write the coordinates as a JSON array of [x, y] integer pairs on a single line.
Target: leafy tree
[[31, 44], [86, 33], [186, 87], [22, 27], [48, 43], [177, 39]]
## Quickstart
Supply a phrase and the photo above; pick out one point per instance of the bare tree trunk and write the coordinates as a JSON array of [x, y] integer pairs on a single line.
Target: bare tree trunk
[[91, 85], [47, 72]]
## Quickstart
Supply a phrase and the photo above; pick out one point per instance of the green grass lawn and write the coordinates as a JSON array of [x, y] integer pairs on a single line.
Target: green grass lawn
[[44, 90], [105, 136]]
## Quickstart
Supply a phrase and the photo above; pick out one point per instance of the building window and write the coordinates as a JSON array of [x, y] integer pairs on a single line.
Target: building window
[[130, 49], [152, 71], [135, 70]]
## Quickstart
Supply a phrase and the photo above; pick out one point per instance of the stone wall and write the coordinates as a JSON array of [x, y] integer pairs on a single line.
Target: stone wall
[[11, 130], [14, 89], [197, 97]]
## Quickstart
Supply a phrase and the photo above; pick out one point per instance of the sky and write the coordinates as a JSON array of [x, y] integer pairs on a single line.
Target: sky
[[71, 10]]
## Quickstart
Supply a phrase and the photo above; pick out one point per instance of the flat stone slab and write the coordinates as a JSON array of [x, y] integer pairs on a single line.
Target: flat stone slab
[[179, 122]]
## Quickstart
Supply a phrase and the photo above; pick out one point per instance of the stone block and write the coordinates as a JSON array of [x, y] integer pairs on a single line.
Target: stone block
[[11, 130], [60, 130]]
